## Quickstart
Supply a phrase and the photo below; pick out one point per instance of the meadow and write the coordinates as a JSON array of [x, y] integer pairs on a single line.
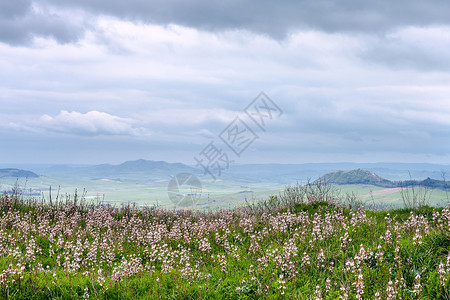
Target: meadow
[[309, 242]]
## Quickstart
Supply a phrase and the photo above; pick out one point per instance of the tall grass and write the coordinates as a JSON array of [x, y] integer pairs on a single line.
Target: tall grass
[[415, 196]]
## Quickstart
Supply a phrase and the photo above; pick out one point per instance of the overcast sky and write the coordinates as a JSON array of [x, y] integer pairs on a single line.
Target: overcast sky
[[105, 81]]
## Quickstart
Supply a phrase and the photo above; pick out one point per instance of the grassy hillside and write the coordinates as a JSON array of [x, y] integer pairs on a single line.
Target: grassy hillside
[[299, 245]]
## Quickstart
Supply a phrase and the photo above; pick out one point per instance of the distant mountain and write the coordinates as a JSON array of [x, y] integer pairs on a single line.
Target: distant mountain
[[10, 172], [431, 183], [358, 176], [255, 173], [138, 168], [145, 165], [289, 173]]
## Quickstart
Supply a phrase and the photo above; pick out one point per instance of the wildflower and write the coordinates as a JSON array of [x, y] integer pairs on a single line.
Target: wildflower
[[282, 284], [318, 293], [359, 285], [344, 293], [441, 273], [204, 245], [331, 267], [379, 254], [417, 286], [320, 259], [391, 292], [328, 284], [448, 263], [417, 239], [222, 261], [305, 259], [86, 293]]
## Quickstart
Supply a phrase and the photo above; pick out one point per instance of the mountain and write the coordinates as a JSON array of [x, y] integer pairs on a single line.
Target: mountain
[[269, 172], [289, 173], [358, 176], [431, 183], [145, 165], [10, 172], [130, 169]]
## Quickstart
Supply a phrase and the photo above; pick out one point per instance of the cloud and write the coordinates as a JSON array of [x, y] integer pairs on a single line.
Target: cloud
[[274, 18], [91, 123], [421, 48], [22, 21], [170, 76], [12, 9], [206, 134]]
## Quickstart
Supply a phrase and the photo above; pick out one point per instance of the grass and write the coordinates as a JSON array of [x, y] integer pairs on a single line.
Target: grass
[[307, 242]]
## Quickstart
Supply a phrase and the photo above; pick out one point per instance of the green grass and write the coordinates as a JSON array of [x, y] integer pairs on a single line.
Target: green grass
[[301, 244]]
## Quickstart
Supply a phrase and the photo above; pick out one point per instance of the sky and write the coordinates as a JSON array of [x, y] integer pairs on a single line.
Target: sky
[[96, 81]]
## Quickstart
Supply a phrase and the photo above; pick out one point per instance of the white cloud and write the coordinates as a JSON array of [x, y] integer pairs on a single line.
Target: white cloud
[[90, 123]]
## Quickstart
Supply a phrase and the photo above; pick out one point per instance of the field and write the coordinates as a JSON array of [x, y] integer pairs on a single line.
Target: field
[[301, 244], [228, 192], [149, 192]]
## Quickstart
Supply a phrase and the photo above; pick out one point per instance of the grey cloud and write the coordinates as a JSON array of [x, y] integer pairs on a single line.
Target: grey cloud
[[13, 9], [275, 18], [20, 23]]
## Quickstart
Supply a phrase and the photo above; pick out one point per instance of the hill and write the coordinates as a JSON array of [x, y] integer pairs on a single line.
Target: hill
[[358, 176], [10, 172], [129, 169]]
